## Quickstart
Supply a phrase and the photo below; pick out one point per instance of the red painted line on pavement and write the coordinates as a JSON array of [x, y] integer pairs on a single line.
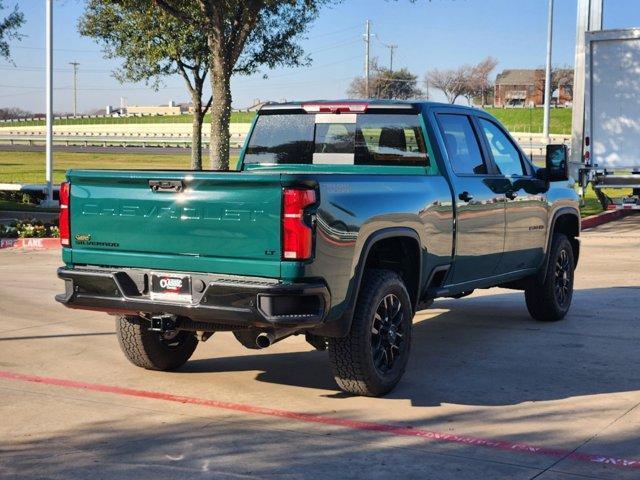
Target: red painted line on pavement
[[325, 420]]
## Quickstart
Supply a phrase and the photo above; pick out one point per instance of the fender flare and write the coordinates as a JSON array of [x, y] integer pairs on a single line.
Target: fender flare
[[340, 327], [557, 214]]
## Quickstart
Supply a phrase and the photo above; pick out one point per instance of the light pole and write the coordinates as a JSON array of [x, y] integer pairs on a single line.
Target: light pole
[[75, 87], [49, 100], [367, 41], [547, 75]]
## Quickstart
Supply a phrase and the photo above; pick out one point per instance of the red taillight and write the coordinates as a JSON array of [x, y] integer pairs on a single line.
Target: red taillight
[[587, 155], [65, 229], [297, 236]]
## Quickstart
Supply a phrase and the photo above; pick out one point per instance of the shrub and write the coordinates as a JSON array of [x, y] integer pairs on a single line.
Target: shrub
[[29, 229], [23, 197]]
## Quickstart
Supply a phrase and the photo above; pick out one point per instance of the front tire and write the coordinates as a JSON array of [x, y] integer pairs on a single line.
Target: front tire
[[153, 350], [550, 300], [372, 358]]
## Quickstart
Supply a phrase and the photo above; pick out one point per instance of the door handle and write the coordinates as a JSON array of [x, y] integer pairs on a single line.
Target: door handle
[[465, 197], [166, 185], [511, 194]]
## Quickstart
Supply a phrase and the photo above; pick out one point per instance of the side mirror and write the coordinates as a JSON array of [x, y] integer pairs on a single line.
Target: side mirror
[[556, 164]]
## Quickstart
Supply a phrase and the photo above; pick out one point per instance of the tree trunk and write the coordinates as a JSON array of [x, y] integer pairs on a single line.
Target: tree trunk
[[196, 133], [220, 78]]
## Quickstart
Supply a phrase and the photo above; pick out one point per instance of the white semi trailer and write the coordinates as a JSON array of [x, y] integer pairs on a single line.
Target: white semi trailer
[[606, 119]]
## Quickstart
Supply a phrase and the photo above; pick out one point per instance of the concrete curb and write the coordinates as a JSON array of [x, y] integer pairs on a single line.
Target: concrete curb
[[30, 243], [604, 217]]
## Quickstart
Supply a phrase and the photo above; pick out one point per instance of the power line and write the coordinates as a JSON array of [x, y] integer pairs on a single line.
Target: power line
[[315, 67], [76, 50], [327, 34], [335, 45]]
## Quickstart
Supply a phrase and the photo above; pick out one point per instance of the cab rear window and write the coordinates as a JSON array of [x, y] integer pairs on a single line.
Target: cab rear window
[[347, 138]]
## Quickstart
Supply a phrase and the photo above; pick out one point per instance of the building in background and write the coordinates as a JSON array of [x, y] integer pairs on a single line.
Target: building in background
[[525, 88], [170, 109], [519, 88]]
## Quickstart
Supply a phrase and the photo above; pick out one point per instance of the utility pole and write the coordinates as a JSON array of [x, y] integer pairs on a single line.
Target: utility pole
[[49, 100], [75, 87], [427, 89], [367, 42], [391, 48], [547, 74]]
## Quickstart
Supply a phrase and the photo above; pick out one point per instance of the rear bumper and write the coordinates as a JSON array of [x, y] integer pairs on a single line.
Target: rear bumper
[[231, 301]]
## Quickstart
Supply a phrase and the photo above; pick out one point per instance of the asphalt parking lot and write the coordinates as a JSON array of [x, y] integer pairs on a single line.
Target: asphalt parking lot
[[489, 393]]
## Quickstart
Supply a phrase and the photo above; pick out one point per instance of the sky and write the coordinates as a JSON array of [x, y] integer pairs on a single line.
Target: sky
[[429, 34]]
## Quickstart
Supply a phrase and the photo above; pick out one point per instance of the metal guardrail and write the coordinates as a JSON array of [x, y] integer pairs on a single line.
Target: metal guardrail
[[26, 187], [112, 139], [532, 144]]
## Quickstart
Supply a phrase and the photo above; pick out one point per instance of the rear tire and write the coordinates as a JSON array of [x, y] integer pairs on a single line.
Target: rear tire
[[153, 350], [372, 358], [550, 300]]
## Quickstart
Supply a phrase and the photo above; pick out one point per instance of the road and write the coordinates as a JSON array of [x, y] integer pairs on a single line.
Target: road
[[488, 394]]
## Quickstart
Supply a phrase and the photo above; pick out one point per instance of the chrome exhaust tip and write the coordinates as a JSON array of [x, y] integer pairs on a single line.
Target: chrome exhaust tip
[[264, 339]]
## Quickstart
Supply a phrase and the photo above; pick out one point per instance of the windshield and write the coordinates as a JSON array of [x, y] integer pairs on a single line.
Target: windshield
[[346, 139]]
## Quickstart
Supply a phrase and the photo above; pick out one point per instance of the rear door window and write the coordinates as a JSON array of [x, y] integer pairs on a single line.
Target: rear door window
[[360, 139], [462, 144], [390, 140]]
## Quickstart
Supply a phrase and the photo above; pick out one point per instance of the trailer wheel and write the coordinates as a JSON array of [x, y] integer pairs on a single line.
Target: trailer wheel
[[372, 358], [550, 300], [153, 350]]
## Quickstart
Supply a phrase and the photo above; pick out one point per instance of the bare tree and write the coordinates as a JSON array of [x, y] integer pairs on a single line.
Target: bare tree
[[560, 77], [13, 113], [452, 82], [479, 81]]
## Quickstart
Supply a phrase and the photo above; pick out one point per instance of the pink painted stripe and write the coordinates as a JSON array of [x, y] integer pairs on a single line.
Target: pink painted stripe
[[325, 420]]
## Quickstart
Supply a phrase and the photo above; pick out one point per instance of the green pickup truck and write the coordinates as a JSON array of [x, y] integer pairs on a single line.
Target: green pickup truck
[[342, 220]]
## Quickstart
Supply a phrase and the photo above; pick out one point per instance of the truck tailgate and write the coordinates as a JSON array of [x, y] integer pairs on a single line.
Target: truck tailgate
[[220, 222]]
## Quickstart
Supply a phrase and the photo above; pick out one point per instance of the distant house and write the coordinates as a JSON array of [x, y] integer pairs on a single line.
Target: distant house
[[519, 88], [525, 88]]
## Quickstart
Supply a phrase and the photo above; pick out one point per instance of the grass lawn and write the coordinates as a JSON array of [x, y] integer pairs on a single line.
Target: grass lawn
[[591, 204], [530, 119], [236, 117], [515, 119], [28, 167]]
